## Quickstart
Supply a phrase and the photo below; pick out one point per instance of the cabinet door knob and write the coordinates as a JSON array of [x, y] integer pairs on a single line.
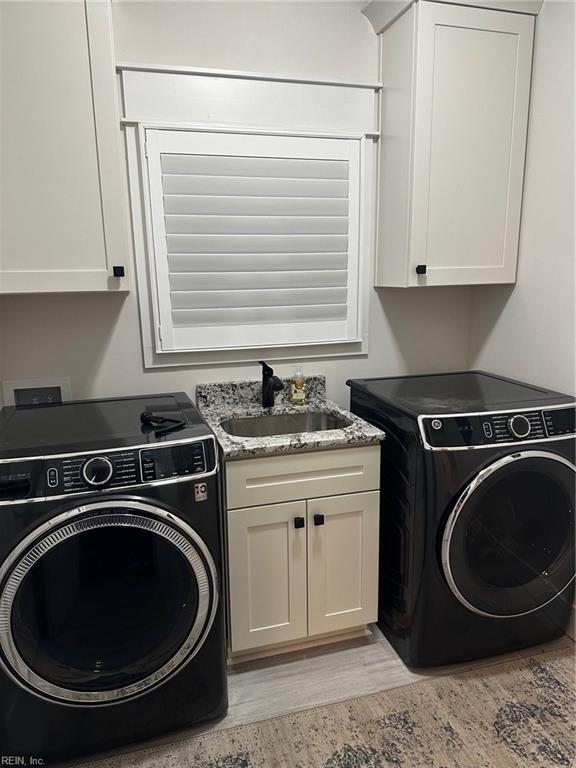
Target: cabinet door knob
[[299, 522], [318, 519], [421, 269], [118, 271]]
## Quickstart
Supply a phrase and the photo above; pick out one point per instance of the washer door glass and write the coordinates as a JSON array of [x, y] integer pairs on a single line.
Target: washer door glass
[[508, 547], [107, 603]]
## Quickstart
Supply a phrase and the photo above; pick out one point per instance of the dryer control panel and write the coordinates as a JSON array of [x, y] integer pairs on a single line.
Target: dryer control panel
[[477, 430]]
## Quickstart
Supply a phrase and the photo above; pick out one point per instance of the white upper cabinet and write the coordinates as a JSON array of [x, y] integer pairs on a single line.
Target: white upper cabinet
[[454, 114], [64, 216]]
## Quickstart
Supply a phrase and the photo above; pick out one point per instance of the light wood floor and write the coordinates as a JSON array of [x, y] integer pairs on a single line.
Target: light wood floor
[[284, 684]]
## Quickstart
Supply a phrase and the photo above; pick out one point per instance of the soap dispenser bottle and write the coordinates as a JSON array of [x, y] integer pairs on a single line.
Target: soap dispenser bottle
[[298, 387]]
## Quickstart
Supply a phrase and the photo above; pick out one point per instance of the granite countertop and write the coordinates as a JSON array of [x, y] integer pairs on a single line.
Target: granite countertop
[[237, 399]]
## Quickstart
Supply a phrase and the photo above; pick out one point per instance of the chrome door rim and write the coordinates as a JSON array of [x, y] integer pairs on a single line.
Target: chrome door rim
[[458, 508], [49, 535]]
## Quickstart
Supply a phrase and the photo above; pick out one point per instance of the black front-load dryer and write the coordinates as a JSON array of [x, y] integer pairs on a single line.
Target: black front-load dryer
[[111, 616], [477, 513]]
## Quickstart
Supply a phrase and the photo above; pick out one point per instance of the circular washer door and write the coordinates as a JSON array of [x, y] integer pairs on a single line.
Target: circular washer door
[[508, 546], [105, 601]]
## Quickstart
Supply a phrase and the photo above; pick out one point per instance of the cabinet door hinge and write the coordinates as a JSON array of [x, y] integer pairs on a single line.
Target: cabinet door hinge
[[160, 333], [146, 148]]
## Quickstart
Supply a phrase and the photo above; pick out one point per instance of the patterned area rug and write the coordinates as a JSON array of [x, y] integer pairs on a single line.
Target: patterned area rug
[[516, 714]]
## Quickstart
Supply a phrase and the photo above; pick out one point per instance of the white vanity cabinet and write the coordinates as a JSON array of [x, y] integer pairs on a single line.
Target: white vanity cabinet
[[64, 214], [454, 116], [308, 566]]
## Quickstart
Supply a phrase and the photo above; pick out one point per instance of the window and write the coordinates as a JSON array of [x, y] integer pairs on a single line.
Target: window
[[254, 239]]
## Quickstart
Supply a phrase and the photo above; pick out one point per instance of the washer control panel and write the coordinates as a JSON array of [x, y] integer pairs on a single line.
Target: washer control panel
[[91, 471], [110, 470], [56, 476], [477, 430]]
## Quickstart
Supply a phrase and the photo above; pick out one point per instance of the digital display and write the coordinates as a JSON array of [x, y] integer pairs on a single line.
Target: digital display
[[175, 461], [454, 431], [561, 421]]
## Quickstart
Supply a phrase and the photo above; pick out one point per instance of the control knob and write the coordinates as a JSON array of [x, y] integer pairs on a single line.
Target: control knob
[[97, 471], [519, 426]]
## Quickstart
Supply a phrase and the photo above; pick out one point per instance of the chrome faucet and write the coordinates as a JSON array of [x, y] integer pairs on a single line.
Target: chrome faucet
[[270, 385]]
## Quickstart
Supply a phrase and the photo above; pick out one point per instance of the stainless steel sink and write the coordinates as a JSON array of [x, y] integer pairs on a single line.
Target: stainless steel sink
[[283, 424]]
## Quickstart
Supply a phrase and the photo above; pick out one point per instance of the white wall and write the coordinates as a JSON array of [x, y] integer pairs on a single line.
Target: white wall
[[310, 39], [95, 340], [528, 332]]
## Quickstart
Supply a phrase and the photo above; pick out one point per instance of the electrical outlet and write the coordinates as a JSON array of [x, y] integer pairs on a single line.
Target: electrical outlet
[[38, 396], [28, 392]]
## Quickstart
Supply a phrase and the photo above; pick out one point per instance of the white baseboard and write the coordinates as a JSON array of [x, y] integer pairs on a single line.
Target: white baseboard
[[329, 638]]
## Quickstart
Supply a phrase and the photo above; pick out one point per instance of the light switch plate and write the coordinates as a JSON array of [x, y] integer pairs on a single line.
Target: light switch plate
[[36, 391]]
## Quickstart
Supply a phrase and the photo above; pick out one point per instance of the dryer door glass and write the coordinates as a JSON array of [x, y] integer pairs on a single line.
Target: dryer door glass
[[508, 547], [106, 603]]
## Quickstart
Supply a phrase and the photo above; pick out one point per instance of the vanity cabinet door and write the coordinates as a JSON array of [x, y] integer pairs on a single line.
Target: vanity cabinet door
[[267, 573], [342, 561]]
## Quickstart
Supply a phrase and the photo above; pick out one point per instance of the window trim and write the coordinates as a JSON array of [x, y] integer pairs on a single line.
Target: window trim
[[154, 356]]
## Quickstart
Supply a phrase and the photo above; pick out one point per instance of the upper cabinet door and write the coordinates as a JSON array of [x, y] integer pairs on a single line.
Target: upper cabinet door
[[454, 140], [473, 85], [64, 217]]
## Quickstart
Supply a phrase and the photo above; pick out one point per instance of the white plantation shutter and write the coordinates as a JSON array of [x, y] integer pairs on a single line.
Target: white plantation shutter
[[255, 239]]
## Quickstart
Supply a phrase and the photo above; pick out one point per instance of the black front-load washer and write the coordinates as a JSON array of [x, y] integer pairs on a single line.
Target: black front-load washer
[[477, 513], [111, 615]]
